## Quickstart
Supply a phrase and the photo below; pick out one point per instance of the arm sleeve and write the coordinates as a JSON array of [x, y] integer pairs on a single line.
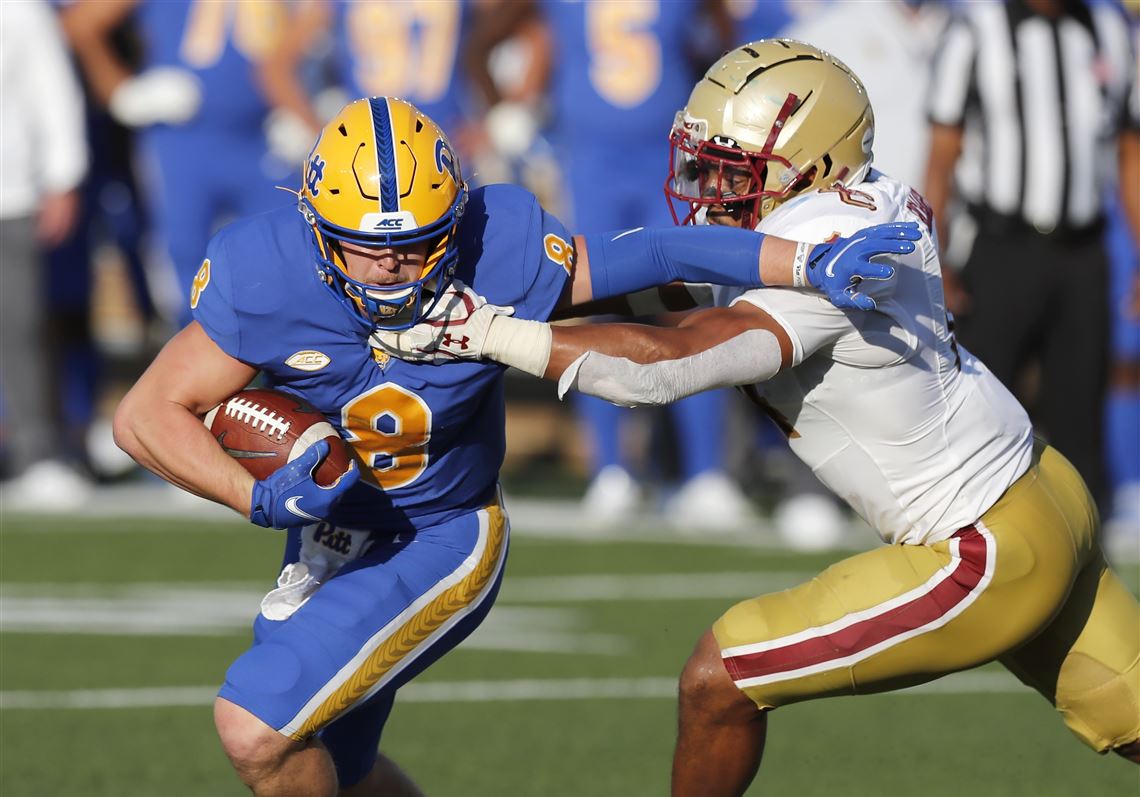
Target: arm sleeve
[[633, 260], [952, 75], [58, 120], [748, 358]]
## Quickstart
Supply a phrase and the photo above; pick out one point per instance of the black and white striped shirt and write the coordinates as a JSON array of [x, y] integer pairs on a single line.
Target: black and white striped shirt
[[1041, 101]]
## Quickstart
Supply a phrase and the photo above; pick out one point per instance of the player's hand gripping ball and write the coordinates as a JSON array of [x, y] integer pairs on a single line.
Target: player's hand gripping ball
[[301, 464]]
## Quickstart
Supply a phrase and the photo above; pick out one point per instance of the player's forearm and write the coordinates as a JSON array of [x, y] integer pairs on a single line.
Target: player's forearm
[[631, 261], [1129, 158], [637, 343], [276, 71], [88, 27], [169, 440], [945, 147], [633, 364]]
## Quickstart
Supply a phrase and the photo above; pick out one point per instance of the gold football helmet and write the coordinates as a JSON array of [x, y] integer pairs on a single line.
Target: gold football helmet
[[383, 174], [769, 120]]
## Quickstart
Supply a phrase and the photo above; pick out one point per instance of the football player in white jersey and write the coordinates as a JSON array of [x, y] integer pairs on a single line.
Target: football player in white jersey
[[993, 540]]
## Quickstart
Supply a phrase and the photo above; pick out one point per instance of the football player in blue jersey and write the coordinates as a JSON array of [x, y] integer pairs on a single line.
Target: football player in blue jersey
[[386, 228], [197, 107], [367, 48]]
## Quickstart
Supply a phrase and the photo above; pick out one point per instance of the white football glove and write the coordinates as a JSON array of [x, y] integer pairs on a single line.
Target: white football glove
[[512, 128], [456, 329], [289, 138], [163, 95]]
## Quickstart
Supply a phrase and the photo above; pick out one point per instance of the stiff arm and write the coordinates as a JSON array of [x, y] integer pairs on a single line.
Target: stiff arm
[[633, 365]]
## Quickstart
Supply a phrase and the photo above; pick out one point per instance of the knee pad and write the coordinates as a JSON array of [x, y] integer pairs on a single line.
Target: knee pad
[[1101, 706]]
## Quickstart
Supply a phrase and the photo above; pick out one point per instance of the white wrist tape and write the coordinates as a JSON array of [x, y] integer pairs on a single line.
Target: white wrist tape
[[519, 343], [799, 265], [750, 357]]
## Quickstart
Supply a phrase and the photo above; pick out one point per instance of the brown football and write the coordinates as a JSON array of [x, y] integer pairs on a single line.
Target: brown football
[[264, 429]]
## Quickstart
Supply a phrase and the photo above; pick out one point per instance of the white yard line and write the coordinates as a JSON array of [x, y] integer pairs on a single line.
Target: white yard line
[[985, 682]]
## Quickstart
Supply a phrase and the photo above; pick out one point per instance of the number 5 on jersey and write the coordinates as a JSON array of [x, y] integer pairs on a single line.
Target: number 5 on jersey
[[388, 428]]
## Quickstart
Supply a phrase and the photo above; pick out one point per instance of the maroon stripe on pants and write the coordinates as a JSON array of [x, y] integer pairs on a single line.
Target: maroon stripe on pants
[[951, 590]]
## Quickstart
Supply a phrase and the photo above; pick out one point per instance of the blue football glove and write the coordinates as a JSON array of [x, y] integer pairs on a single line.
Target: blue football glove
[[836, 268], [290, 497]]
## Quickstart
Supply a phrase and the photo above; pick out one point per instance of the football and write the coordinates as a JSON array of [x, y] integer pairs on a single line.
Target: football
[[264, 429]]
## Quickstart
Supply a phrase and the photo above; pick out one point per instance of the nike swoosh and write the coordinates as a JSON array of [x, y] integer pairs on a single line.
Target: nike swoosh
[[831, 266], [291, 506]]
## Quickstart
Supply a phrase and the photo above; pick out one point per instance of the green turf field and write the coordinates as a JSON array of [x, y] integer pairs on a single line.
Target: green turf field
[[115, 633]]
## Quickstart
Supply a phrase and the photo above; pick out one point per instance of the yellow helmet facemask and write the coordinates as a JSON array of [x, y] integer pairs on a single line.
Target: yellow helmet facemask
[[382, 174]]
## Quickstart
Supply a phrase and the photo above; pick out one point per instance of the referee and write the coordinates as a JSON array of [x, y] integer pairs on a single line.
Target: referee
[[1028, 99]]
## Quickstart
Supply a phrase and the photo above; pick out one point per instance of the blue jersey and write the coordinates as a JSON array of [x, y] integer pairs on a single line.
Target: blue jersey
[[430, 438], [219, 42], [621, 69], [620, 76], [410, 50], [766, 19]]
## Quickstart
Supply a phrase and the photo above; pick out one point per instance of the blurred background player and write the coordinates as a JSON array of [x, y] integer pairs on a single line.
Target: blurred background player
[[103, 311], [335, 49], [1122, 417], [626, 66], [199, 112], [43, 158], [1027, 99]]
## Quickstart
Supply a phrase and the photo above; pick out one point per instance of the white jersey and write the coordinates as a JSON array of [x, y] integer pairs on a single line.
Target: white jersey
[[891, 414]]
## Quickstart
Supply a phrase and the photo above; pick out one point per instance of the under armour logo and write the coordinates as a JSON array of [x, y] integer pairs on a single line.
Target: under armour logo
[[316, 173], [450, 341]]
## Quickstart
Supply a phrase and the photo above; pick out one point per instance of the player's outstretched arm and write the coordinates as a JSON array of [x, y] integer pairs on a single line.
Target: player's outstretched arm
[[627, 364], [622, 263], [635, 364], [159, 421]]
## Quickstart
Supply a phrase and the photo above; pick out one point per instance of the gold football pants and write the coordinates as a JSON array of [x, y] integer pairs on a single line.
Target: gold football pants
[[1027, 584]]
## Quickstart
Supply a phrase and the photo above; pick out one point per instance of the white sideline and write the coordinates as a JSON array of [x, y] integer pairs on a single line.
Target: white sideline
[[463, 692]]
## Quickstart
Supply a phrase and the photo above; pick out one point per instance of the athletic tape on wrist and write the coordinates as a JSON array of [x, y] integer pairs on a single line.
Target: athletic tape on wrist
[[799, 265], [519, 343]]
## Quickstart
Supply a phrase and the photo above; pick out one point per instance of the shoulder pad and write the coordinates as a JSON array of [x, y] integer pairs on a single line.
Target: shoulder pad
[[818, 216]]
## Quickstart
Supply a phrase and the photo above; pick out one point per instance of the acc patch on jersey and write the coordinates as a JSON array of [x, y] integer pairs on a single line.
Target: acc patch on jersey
[[308, 360]]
